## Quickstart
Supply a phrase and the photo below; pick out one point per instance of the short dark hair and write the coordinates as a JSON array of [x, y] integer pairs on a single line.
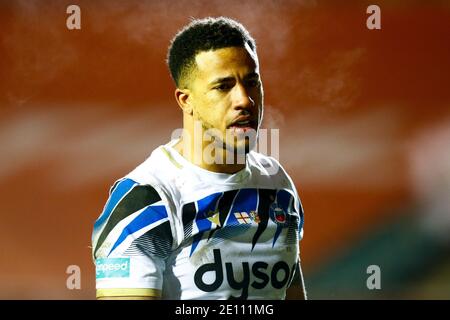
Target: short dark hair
[[203, 35]]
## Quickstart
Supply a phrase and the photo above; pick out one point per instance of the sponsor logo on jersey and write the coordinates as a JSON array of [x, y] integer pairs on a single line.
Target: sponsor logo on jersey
[[278, 276], [112, 268]]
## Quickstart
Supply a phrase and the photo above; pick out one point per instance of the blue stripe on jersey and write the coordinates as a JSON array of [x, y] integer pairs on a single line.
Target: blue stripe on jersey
[[284, 199], [245, 201], [116, 195], [150, 215], [204, 205], [195, 242], [302, 218]]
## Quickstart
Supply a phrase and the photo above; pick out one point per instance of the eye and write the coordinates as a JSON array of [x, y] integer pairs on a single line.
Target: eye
[[223, 87]]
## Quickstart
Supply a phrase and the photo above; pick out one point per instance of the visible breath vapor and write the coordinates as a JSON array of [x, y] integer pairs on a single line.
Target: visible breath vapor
[[40, 46]]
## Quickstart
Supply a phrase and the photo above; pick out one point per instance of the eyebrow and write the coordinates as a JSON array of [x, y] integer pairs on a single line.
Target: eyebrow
[[228, 79], [220, 80]]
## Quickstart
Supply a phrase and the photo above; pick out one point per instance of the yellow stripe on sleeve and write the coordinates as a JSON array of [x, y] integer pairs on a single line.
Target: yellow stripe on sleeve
[[128, 292]]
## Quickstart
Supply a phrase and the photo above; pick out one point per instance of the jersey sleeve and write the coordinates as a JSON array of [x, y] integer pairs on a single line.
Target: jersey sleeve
[[131, 241]]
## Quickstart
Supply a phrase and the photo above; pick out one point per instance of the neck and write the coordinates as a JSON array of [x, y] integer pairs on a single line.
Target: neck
[[205, 156]]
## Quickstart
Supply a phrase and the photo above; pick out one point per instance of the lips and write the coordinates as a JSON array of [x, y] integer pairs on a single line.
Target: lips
[[243, 122]]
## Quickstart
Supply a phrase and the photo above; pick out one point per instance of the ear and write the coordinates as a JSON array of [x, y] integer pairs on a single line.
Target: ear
[[183, 99]]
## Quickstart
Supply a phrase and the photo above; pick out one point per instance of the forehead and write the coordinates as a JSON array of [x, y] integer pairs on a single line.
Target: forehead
[[226, 62]]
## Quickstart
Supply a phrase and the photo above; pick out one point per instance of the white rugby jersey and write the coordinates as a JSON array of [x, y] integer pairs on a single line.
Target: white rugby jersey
[[174, 230]]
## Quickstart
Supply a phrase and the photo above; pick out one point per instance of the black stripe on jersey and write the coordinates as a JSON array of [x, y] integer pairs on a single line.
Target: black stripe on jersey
[[155, 242], [188, 217], [224, 206], [292, 233], [139, 197], [266, 198], [292, 224]]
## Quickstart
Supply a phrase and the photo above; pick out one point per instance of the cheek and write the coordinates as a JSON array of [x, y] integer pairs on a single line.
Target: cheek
[[200, 108], [214, 111], [204, 113]]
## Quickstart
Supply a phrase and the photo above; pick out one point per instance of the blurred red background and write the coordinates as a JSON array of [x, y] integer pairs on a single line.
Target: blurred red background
[[363, 115]]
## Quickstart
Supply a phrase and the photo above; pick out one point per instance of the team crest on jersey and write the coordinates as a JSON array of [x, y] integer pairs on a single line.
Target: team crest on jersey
[[278, 215]]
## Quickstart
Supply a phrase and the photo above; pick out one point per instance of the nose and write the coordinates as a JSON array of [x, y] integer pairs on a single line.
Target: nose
[[241, 99]]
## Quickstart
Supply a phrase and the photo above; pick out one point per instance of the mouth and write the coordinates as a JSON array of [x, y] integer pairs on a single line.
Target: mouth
[[243, 124]]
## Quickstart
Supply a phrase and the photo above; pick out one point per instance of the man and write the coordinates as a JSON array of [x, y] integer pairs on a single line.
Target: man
[[204, 217]]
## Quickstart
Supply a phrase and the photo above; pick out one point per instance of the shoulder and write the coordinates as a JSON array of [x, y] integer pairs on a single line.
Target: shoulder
[[154, 170], [144, 184], [137, 203], [271, 168], [131, 208], [267, 166]]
